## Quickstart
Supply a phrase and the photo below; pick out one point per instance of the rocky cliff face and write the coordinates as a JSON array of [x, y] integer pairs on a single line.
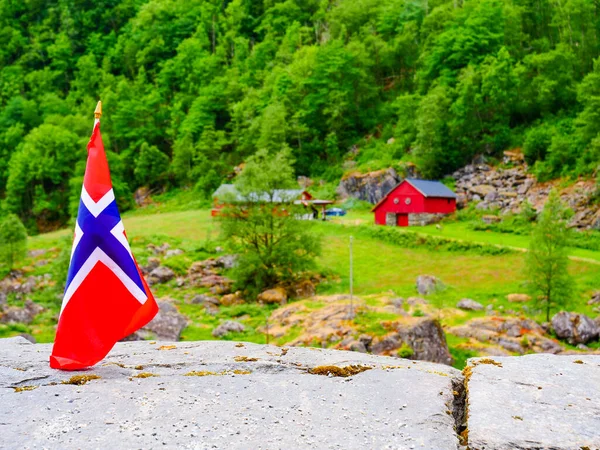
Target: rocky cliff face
[[370, 187], [215, 394], [507, 189]]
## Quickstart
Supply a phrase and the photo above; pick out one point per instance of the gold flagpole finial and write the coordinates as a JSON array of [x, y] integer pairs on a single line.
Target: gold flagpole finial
[[98, 111]]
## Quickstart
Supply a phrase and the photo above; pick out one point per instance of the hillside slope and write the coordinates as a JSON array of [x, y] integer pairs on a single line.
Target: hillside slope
[[191, 88]]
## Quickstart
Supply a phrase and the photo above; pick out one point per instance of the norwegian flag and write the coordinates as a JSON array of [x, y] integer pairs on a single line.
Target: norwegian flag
[[106, 297]]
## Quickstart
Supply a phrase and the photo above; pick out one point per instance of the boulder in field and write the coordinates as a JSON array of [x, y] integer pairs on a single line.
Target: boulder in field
[[161, 274], [173, 252], [153, 263], [424, 336], [595, 300], [229, 326], [518, 298], [168, 324], [303, 289], [273, 296], [428, 284], [469, 305], [203, 298], [575, 328], [232, 299]]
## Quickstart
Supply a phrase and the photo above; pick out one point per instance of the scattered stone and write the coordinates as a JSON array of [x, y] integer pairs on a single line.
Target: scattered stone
[[416, 301], [595, 300], [159, 250], [168, 324], [575, 328], [469, 305], [229, 326], [517, 335], [227, 261], [203, 298], [397, 302], [153, 263], [161, 274], [423, 336], [428, 284], [142, 196], [36, 253], [14, 314], [221, 289], [232, 299], [303, 289], [489, 219], [273, 296], [518, 298], [174, 252]]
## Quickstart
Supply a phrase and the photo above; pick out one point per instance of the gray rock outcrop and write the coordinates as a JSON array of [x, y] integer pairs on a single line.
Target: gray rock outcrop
[[507, 190], [469, 305], [534, 402], [370, 187], [428, 284], [168, 323], [161, 274], [235, 396], [575, 328], [229, 326]]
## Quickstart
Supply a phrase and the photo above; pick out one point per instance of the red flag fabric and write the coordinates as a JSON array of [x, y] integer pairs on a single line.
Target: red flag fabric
[[106, 297]]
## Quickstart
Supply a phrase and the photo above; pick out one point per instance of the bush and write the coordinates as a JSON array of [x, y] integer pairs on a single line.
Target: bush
[[13, 240], [409, 239]]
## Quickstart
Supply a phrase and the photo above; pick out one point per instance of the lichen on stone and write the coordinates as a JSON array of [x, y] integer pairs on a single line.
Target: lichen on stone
[[25, 388], [244, 359], [167, 347], [336, 371], [80, 380], [144, 375]]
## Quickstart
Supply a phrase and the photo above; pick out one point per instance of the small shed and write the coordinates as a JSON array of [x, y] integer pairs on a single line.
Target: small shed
[[228, 193], [415, 202]]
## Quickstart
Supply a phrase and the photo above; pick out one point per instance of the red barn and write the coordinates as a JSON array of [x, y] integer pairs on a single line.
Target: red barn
[[415, 202]]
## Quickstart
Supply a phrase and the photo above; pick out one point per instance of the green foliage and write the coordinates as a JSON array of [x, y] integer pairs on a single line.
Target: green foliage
[[151, 165], [13, 240], [192, 88], [547, 259], [408, 239], [405, 351], [273, 245]]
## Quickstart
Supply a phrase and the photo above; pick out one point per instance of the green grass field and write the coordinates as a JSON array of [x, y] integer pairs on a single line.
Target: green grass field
[[381, 270], [378, 266]]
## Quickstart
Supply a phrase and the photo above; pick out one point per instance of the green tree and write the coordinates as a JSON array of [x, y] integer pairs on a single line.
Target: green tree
[[13, 240], [262, 225], [547, 259], [151, 165]]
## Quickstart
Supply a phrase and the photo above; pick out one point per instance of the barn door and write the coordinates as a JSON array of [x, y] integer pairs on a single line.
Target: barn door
[[402, 220]]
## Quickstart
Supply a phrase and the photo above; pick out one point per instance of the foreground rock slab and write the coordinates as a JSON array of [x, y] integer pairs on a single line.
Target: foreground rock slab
[[226, 395], [534, 402]]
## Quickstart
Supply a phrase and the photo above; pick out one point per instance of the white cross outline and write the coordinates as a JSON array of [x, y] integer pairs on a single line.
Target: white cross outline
[[98, 255]]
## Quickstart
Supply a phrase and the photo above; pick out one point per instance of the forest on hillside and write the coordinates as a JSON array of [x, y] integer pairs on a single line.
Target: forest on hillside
[[191, 88]]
